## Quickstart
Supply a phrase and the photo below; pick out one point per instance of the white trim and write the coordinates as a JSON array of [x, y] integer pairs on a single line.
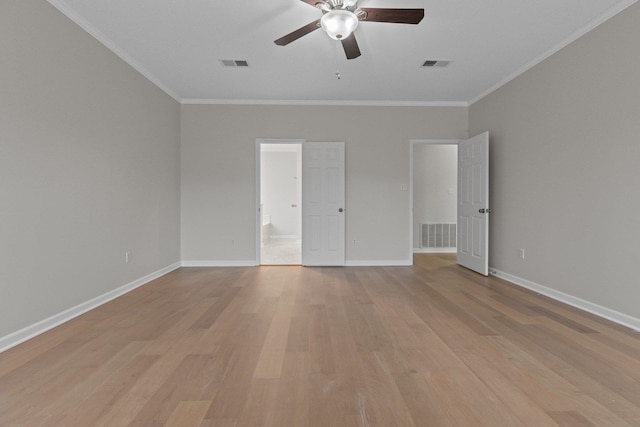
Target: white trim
[[378, 263], [222, 263], [113, 47], [279, 141], [371, 103], [363, 263], [610, 13], [435, 250], [42, 326], [435, 141], [598, 310], [412, 143], [98, 35], [259, 142]]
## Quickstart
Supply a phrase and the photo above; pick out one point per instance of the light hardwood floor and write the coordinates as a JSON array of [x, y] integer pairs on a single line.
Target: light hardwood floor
[[428, 345]]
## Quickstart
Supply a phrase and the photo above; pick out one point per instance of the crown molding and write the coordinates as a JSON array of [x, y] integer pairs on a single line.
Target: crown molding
[[64, 8], [608, 14], [331, 103]]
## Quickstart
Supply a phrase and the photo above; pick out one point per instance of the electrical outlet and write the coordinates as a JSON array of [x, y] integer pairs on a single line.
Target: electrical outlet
[[521, 253], [127, 257]]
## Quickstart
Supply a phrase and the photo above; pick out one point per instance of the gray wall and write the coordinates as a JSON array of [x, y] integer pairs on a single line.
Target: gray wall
[[564, 168], [219, 172], [89, 168], [435, 173]]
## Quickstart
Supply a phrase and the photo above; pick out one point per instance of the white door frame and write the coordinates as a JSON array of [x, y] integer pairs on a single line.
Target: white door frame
[[412, 144], [258, 222]]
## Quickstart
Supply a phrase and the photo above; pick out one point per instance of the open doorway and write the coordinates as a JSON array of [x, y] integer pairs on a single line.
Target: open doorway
[[434, 196], [280, 203]]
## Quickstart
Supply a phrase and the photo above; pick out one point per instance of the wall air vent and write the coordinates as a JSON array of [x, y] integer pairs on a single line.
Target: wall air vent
[[234, 63], [435, 63], [438, 236]]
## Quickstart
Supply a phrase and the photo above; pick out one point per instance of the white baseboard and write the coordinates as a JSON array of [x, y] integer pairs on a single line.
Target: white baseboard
[[42, 326], [435, 250], [598, 310], [245, 263], [241, 263], [378, 263]]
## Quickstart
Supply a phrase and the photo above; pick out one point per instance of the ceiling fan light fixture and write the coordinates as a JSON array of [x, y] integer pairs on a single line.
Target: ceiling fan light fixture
[[339, 23]]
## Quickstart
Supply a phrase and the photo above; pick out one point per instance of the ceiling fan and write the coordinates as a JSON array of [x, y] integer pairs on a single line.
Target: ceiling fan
[[341, 17]]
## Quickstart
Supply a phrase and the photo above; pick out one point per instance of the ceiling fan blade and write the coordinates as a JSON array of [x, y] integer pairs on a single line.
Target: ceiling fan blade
[[312, 2], [397, 16], [295, 35], [350, 46]]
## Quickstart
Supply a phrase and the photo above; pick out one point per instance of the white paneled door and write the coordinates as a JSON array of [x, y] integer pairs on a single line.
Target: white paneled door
[[473, 203], [323, 209]]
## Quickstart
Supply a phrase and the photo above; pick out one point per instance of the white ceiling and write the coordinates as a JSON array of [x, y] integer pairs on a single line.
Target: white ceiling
[[179, 45]]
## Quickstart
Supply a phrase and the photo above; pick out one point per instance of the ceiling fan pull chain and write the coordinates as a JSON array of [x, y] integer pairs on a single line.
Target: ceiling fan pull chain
[[338, 61]]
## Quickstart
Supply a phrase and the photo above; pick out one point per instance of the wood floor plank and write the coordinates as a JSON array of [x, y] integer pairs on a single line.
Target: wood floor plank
[[236, 383], [128, 404], [609, 374], [105, 396], [219, 423], [431, 344], [571, 419], [260, 407], [275, 345], [188, 414], [65, 402], [612, 408], [614, 358], [331, 399], [41, 382], [291, 405], [379, 401], [195, 379], [321, 352], [511, 386], [565, 394], [298, 338], [16, 357]]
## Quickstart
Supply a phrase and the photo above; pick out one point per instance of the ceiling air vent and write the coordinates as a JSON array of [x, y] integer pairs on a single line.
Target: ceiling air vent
[[434, 63], [234, 63]]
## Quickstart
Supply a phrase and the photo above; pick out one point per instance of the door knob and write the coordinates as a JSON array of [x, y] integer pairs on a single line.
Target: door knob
[[484, 210], [340, 210]]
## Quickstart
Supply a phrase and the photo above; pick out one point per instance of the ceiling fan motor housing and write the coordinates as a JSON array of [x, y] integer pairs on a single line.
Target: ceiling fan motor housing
[[341, 17], [339, 23], [342, 4]]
